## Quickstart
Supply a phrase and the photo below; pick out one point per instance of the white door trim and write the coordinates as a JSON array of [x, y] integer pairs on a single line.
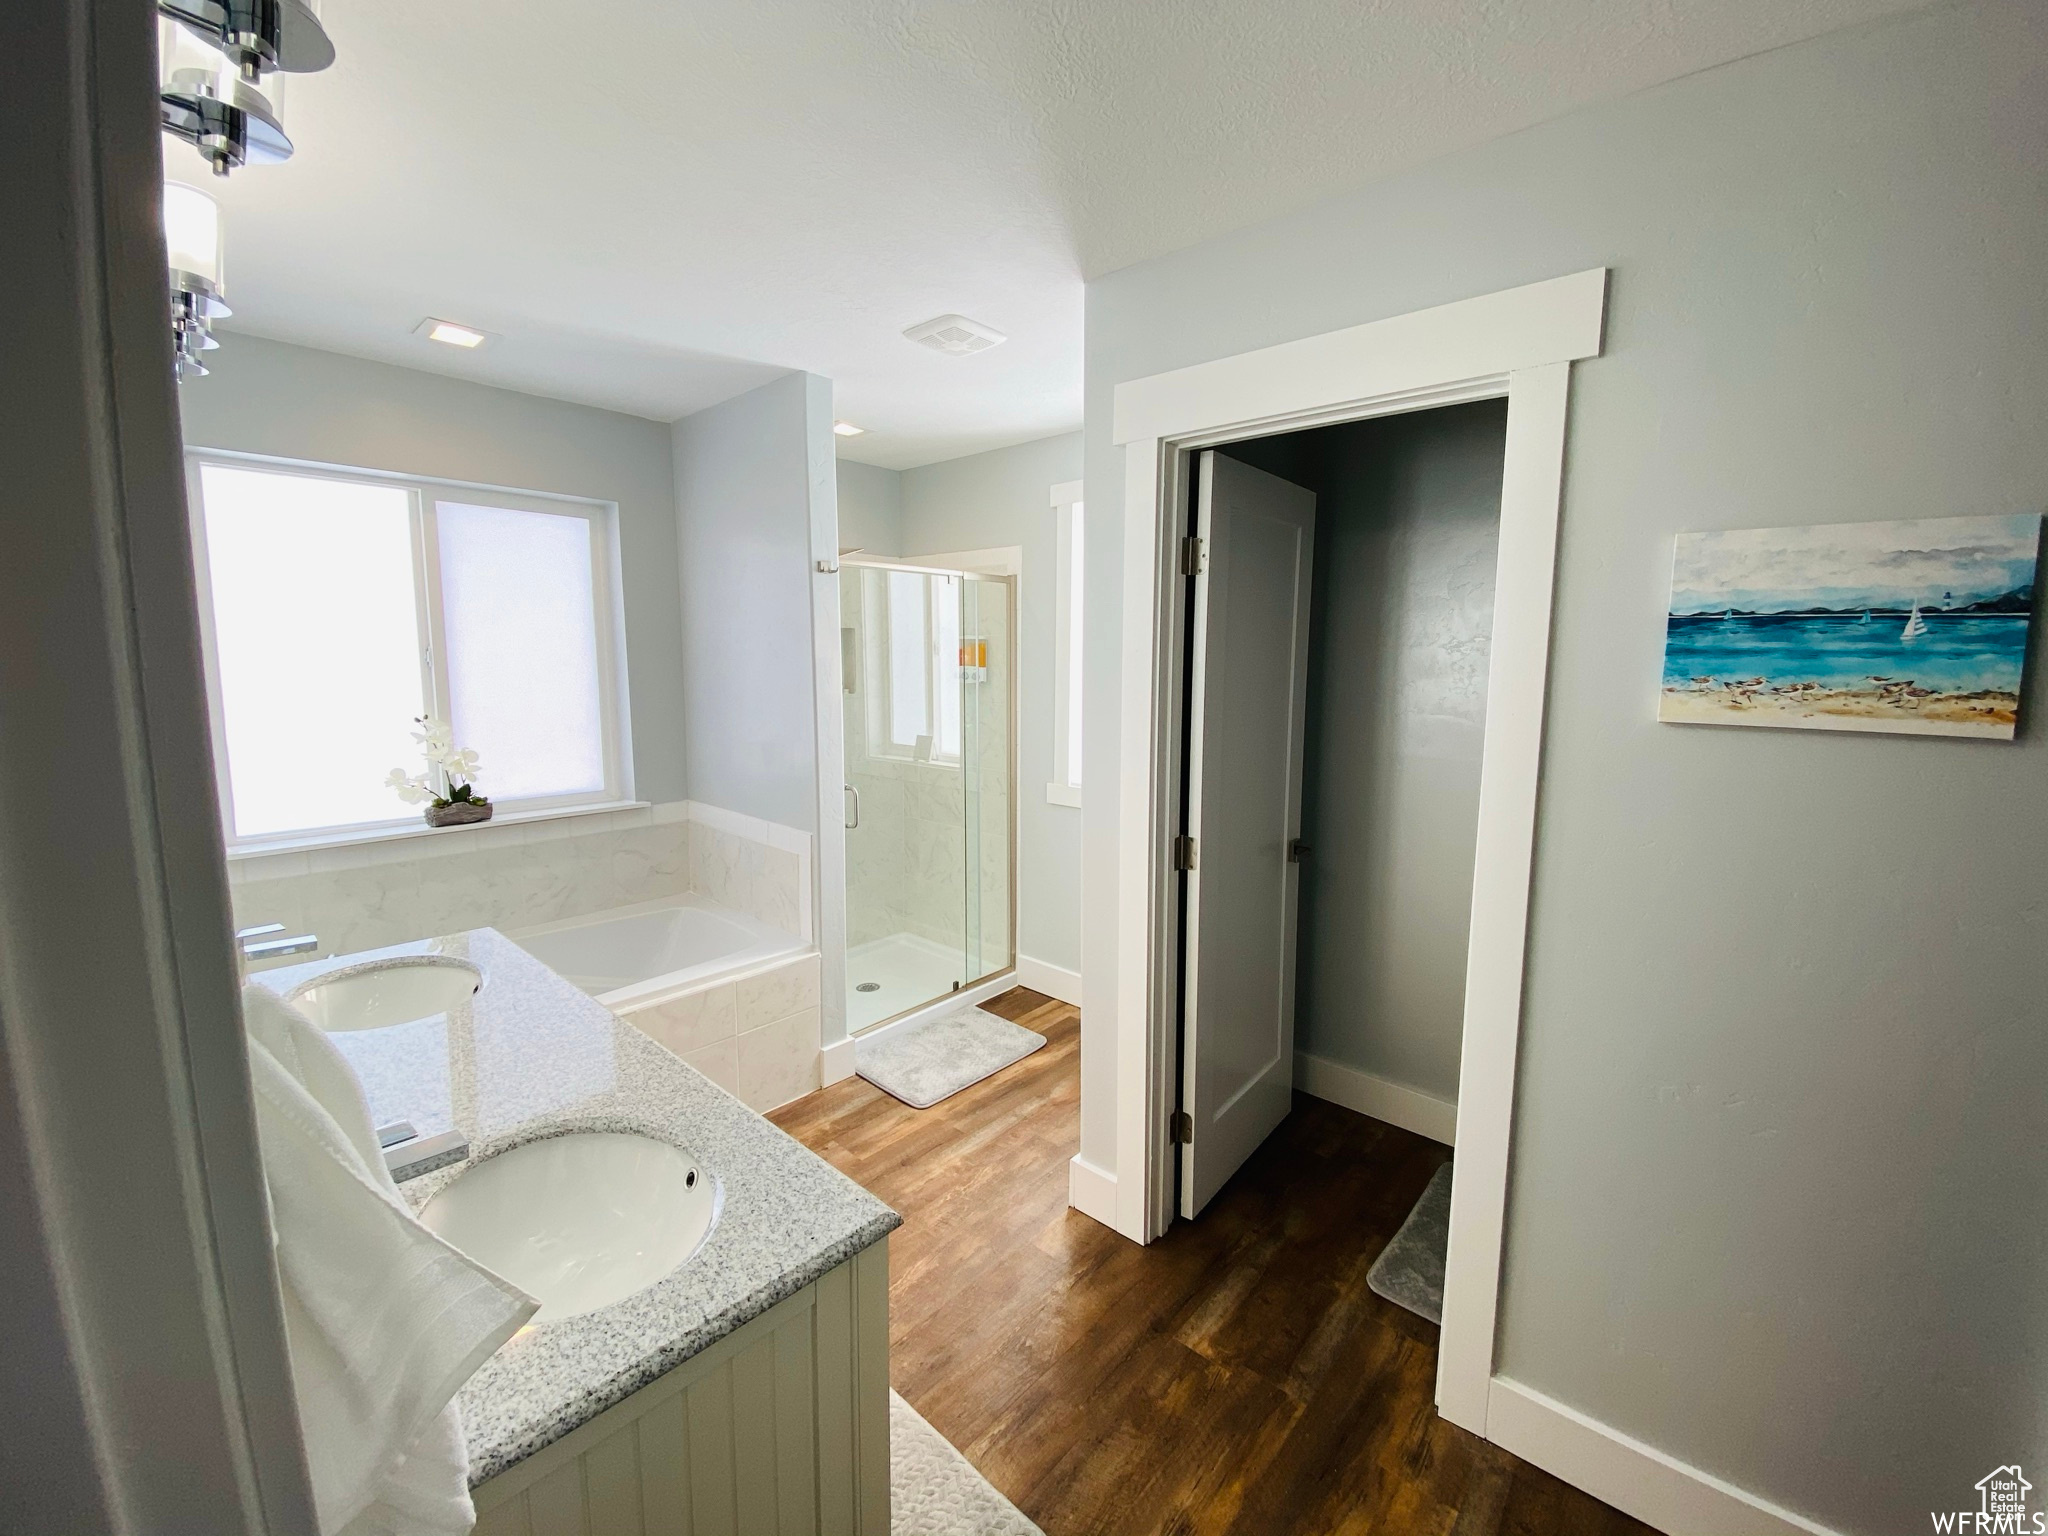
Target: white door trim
[[1519, 343]]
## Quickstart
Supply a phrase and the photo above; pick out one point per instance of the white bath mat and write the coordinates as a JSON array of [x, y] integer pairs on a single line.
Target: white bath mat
[[934, 1060], [935, 1491]]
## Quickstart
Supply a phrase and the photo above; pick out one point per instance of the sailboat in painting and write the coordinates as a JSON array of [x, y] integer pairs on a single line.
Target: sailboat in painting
[[1915, 625]]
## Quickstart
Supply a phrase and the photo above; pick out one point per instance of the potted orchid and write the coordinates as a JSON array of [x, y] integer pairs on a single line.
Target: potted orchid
[[448, 787]]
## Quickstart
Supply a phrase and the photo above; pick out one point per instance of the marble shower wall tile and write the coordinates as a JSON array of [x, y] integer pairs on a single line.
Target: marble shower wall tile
[[874, 859]]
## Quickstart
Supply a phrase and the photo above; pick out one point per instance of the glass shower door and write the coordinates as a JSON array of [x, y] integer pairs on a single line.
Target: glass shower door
[[926, 662]]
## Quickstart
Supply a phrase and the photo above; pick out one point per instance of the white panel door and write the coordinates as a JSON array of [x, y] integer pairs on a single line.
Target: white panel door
[[1247, 691]]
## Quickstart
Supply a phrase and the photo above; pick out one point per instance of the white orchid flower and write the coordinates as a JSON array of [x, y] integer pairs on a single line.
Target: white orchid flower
[[412, 789], [457, 766], [434, 733]]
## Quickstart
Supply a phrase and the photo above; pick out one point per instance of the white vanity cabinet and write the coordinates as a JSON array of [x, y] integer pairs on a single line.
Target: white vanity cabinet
[[781, 1428]]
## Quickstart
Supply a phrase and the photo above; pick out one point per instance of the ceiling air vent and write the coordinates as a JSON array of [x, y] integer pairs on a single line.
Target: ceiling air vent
[[955, 335]]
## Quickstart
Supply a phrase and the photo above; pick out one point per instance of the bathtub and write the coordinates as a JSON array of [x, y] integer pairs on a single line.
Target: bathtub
[[631, 957]]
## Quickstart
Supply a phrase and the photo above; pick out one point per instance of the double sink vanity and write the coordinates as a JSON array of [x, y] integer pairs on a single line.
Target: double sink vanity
[[711, 1352]]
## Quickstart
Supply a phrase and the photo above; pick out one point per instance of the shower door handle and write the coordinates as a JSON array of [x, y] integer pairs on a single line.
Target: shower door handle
[[851, 825]]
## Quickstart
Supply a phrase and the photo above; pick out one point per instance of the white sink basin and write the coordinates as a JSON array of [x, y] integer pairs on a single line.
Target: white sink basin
[[397, 993], [581, 1221]]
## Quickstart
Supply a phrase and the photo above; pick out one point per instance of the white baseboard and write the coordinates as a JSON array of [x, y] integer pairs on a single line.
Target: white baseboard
[[1637, 1479], [1381, 1097], [1053, 980], [835, 1062], [1091, 1191]]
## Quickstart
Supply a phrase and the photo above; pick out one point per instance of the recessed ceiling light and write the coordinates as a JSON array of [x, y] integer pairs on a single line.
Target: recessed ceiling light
[[956, 335], [847, 429], [451, 333]]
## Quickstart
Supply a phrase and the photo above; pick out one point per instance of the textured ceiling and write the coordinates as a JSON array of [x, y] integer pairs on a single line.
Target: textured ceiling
[[665, 204]]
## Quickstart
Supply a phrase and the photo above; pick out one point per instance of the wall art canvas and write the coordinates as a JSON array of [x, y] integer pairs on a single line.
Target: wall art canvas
[[1916, 627]]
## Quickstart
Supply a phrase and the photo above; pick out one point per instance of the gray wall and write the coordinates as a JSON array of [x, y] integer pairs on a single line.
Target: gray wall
[[1407, 520], [870, 508], [743, 503], [294, 402], [984, 501], [1781, 1142]]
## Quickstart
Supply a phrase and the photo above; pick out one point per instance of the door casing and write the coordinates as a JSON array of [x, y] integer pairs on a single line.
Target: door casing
[[1518, 344]]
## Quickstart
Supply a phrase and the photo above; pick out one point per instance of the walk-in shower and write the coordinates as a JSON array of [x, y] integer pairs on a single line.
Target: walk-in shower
[[929, 662]]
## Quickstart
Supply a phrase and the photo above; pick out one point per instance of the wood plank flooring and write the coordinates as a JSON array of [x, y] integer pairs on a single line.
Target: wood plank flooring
[[1236, 1376]]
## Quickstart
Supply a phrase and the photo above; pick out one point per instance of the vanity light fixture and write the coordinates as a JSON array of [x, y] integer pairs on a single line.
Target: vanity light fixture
[[846, 429], [212, 57], [452, 334], [192, 240]]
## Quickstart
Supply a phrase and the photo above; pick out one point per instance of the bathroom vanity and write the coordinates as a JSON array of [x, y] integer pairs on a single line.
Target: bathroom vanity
[[746, 1389]]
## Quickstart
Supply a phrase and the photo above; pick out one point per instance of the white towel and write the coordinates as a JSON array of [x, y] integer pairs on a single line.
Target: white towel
[[384, 1319]]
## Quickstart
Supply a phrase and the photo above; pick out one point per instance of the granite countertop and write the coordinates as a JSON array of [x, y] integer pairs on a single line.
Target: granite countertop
[[532, 1056]]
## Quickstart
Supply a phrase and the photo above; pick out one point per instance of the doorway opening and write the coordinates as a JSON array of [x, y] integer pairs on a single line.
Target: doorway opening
[[1518, 344], [1339, 606]]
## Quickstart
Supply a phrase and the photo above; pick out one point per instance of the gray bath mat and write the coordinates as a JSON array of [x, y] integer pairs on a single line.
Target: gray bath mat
[[935, 1491], [1410, 1270], [936, 1059]]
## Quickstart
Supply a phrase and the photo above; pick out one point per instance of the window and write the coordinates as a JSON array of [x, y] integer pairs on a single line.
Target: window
[[919, 717], [1070, 554], [336, 608]]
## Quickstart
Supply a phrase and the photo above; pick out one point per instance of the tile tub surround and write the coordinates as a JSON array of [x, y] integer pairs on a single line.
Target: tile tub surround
[[753, 866], [530, 1056], [365, 895], [755, 1035]]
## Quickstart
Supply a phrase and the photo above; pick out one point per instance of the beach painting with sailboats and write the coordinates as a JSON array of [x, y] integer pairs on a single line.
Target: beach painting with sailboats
[[1917, 627]]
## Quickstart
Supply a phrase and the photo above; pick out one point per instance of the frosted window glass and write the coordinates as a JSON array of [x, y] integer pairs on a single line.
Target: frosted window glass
[[946, 666], [909, 659], [519, 621], [316, 633]]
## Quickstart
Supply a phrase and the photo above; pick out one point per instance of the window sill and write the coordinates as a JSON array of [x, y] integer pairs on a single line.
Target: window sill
[[1063, 794], [401, 831]]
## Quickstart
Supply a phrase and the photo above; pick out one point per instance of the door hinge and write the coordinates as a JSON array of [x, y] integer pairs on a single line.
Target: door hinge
[[1191, 556], [1181, 1128], [1297, 850], [1183, 852]]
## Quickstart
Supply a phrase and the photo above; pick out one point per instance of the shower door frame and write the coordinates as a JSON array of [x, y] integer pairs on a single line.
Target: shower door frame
[[1004, 564]]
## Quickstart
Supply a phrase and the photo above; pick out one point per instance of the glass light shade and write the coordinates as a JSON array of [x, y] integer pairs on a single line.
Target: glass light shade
[[189, 63], [192, 233]]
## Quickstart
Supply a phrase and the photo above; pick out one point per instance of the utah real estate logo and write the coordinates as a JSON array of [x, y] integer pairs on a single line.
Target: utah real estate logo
[[2002, 1493]]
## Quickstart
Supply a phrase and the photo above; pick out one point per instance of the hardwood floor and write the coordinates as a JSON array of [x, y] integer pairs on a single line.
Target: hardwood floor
[[1236, 1376]]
